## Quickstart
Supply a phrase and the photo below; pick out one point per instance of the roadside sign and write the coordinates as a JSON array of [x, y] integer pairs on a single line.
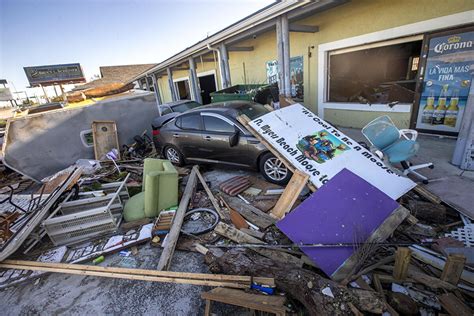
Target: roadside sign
[[54, 74]]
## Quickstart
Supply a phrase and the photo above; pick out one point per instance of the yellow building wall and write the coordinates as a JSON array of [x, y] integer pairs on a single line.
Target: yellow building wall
[[355, 18], [165, 89]]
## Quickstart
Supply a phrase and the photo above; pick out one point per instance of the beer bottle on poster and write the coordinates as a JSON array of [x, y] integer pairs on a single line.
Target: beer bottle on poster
[[427, 115], [452, 110], [440, 110]]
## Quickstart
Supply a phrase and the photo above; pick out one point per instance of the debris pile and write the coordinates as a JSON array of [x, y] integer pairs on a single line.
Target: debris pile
[[345, 247]]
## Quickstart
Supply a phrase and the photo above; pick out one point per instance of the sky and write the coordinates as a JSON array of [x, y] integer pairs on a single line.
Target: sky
[[106, 32]]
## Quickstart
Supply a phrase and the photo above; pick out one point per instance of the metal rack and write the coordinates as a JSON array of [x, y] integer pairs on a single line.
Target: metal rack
[[89, 216]]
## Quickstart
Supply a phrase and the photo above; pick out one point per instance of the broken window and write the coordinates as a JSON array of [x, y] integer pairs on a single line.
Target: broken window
[[379, 73]]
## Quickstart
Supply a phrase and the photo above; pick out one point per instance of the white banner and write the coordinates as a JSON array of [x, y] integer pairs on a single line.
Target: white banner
[[317, 148]]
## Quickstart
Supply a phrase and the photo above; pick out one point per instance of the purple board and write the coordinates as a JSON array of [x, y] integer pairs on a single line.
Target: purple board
[[346, 209]]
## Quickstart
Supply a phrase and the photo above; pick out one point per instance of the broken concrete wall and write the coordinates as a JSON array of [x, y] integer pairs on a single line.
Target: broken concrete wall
[[42, 144]]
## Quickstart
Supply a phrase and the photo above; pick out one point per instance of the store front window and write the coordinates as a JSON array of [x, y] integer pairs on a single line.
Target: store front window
[[381, 73]]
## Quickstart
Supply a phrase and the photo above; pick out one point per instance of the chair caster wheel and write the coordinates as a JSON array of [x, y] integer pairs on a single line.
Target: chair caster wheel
[[431, 167], [425, 181]]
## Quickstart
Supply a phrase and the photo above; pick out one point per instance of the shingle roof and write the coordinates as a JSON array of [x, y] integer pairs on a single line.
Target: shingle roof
[[116, 74]]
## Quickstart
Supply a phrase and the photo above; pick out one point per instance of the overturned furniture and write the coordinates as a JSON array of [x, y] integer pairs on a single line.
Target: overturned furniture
[[399, 145], [159, 190], [88, 216]]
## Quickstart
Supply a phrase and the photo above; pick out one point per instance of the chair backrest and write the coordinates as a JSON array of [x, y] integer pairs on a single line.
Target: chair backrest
[[381, 132]]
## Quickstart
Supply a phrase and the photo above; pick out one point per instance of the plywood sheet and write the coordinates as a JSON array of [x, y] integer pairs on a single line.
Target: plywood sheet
[[105, 138]]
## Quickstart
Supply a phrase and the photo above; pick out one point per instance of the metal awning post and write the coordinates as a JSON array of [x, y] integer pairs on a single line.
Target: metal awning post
[[174, 95], [193, 80], [225, 65], [45, 94], [157, 93], [147, 84], [285, 33], [281, 63]]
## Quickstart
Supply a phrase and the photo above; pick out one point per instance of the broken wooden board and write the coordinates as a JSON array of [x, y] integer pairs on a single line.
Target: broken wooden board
[[265, 303], [211, 196], [243, 238], [173, 235], [345, 209], [454, 306], [234, 281], [292, 191], [104, 134], [251, 213]]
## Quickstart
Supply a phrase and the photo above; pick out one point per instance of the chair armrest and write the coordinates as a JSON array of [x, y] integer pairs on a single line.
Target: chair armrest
[[405, 132]]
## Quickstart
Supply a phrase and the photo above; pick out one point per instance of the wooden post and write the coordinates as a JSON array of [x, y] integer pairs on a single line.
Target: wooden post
[[207, 310], [402, 261], [453, 268]]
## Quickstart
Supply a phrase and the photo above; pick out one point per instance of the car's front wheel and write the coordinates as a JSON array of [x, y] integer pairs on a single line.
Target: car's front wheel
[[174, 155], [274, 170]]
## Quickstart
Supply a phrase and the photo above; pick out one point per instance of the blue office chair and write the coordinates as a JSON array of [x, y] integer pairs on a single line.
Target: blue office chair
[[395, 145]]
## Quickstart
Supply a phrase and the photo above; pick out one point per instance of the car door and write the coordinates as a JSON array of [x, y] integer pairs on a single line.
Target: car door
[[188, 135], [217, 130]]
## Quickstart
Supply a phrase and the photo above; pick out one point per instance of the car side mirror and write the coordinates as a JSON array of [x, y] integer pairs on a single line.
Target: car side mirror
[[234, 138]]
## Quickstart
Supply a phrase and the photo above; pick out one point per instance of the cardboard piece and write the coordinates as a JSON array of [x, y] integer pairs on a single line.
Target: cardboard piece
[[347, 209], [318, 149]]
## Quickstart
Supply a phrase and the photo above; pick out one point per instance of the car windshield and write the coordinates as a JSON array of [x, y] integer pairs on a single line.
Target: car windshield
[[185, 106], [252, 110]]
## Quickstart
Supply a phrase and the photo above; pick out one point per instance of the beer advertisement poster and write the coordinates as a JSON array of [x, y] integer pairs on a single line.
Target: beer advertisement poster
[[296, 76], [447, 80], [317, 148]]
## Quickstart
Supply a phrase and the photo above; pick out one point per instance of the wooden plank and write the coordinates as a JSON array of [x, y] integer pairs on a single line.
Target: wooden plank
[[126, 276], [235, 234], [378, 284], [265, 303], [143, 272], [379, 235], [173, 235], [243, 238], [454, 306], [402, 262], [244, 120], [251, 213], [253, 233], [423, 192], [207, 310], [453, 268], [237, 219], [211, 196], [104, 134], [292, 191]]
